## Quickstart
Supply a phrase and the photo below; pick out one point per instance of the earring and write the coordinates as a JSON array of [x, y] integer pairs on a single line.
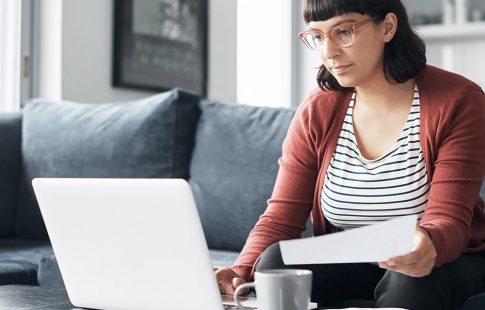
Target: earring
[[388, 38]]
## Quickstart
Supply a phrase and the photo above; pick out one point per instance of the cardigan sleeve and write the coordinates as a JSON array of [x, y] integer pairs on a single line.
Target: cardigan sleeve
[[292, 198], [459, 169]]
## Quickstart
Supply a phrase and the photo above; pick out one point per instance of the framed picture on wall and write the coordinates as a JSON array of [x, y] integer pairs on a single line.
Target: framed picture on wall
[[160, 44]]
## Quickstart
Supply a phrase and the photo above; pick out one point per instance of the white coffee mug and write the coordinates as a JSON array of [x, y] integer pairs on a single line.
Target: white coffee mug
[[280, 289]]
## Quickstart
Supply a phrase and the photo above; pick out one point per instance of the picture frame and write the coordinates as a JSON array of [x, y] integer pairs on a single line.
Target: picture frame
[[160, 44]]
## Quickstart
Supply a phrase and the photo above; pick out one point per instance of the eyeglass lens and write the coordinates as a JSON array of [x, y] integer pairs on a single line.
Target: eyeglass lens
[[342, 36]]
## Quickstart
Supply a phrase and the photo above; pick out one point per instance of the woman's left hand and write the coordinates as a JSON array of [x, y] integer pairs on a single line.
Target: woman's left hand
[[417, 263]]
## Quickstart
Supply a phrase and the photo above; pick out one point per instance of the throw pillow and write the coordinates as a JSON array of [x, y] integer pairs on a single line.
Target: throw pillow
[[234, 168], [149, 138]]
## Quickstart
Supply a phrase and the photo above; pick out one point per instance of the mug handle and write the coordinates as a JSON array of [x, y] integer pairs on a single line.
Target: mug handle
[[238, 289]]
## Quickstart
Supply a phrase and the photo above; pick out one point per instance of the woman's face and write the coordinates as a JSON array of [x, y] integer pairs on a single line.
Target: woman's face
[[360, 63]]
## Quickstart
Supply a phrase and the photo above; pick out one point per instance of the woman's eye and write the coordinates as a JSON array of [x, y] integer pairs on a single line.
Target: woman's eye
[[342, 32], [317, 37]]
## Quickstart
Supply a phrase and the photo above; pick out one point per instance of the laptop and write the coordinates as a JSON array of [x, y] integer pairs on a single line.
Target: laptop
[[129, 243]]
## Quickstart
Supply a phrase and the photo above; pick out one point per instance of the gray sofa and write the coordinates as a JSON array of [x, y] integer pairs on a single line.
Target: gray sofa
[[228, 152]]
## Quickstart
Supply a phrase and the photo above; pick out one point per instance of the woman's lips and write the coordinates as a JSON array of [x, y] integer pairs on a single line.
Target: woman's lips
[[340, 69]]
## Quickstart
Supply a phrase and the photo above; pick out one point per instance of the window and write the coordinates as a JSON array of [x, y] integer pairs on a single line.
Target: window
[[265, 43], [10, 30]]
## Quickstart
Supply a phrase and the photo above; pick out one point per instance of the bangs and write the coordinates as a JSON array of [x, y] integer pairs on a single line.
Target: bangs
[[320, 10]]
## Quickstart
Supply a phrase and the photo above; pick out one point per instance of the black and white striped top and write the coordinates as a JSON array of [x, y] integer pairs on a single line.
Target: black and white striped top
[[358, 192]]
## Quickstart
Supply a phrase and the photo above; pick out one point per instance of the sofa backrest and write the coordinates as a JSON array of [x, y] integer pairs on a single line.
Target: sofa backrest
[[234, 167], [148, 138], [10, 136]]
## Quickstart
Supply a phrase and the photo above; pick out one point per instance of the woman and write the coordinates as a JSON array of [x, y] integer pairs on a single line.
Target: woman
[[385, 135]]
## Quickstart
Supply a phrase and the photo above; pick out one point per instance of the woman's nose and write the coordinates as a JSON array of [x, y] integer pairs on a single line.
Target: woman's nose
[[329, 49]]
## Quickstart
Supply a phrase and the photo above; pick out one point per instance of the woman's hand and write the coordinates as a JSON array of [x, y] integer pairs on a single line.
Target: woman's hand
[[228, 280], [417, 263]]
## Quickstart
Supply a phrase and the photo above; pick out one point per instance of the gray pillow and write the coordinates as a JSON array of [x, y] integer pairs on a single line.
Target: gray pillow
[[149, 138], [234, 168], [10, 136]]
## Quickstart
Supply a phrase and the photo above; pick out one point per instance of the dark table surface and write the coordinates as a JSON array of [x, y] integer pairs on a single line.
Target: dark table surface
[[28, 297], [23, 297]]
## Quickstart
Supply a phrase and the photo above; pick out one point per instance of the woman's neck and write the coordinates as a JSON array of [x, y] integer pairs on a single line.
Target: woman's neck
[[384, 96]]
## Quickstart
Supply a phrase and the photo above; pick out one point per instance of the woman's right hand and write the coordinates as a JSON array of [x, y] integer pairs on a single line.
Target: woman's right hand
[[228, 280]]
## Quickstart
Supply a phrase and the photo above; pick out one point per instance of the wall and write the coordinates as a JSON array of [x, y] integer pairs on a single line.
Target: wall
[[87, 52], [222, 49], [457, 48]]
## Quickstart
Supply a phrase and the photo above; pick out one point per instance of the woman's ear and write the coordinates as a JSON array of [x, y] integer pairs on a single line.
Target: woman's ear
[[390, 26]]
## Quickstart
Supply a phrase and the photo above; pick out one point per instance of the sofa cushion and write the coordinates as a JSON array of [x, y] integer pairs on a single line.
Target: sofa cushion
[[149, 138], [19, 260], [10, 136], [234, 167], [18, 272], [49, 275]]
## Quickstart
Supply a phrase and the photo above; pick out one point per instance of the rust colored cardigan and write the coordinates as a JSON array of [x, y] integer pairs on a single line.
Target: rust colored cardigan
[[452, 137]]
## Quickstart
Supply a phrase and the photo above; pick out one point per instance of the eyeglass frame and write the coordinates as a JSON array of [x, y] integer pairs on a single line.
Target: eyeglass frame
[[325, 34]]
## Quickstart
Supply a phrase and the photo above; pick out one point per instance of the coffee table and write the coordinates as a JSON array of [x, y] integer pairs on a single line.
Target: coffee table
[[21, 297]]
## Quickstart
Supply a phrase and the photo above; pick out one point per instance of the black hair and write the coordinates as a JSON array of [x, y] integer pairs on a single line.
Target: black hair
[[404, 55]]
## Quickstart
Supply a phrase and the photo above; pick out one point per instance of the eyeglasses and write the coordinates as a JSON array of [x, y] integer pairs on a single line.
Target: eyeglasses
[[342, 35]]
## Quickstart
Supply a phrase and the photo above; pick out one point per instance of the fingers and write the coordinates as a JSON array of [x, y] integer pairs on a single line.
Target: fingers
[[421, 249], [411, 265], [228, 280], [238, 281], [419, 262], [408, 259], [227, 287]]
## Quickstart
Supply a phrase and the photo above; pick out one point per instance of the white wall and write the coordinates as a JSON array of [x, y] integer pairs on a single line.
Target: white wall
[[87, 55], [457, 48], [264, 52], [87, 52], [222, 49]]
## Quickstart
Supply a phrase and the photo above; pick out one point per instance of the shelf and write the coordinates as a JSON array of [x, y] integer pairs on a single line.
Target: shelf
[[466, 32]]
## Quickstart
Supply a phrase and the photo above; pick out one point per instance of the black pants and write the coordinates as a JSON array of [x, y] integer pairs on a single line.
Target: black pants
[[447, 287]]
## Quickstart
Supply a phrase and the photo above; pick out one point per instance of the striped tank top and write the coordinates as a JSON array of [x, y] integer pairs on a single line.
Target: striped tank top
[[358, 192]]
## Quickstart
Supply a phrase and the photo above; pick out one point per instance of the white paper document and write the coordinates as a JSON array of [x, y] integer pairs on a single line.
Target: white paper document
[[372, 243]]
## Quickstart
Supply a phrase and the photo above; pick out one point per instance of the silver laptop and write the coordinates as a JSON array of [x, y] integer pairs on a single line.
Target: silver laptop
[[128, 243]]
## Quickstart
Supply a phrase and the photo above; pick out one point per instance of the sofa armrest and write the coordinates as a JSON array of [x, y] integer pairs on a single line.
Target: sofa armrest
[[10, 160]]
